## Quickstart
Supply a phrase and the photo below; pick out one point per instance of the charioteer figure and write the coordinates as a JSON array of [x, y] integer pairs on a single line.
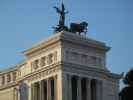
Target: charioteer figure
[[61, 26], [76, 28]]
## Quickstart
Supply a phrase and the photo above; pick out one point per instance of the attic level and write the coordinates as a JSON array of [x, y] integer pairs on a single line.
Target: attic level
[[71, 48]]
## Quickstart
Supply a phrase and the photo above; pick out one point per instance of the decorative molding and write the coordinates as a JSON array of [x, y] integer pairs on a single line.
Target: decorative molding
[[84, 59], [42, 72], [66, 36], [89, 71], [43, 44], [9, 85], [49, 59]]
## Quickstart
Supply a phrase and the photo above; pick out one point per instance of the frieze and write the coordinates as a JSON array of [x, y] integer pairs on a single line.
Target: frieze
[[42, 47], [50, 58], [44, 73], [85, 70], [13, 84]]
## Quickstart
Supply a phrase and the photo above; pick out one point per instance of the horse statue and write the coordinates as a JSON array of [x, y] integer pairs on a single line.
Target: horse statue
[[78, 28]]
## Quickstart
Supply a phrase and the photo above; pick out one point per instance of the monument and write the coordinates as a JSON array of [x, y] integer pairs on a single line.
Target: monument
[[74, 27], [65, 66]]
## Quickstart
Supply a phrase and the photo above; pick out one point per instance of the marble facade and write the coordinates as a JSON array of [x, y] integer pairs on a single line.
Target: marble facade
[[65, 66]]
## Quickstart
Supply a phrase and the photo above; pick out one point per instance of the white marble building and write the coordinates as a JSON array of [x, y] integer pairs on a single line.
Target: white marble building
[[66, 66]]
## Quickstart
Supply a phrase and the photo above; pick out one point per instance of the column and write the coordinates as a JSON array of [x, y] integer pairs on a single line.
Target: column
[[18, 93], [88, 85], [41, 90], [48, 89], [37, 91], [64, 86], [55, 87], [0, 81], [79, 95], [59, 88], [5, 78], [44, 89], [99, 90], [11, 75], [15, 95], [69, 87], [33, 91]]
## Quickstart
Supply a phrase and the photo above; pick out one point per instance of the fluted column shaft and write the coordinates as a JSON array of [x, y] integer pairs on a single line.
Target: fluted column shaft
[[69, 87], [41, 90], [79, 92], [48, 89], [64, 86], [32, 92], [88, 85], [55, 87], [99, 89]]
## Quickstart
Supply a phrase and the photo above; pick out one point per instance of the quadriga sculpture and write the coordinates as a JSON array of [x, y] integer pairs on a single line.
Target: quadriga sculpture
[[78, 27]]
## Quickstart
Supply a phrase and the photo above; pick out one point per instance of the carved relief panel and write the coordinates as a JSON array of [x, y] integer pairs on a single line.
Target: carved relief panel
[[23, 70], [44, 61], [7, 78]]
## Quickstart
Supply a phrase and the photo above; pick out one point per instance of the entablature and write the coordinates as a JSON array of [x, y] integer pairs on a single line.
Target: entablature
[[8, 77], [86, 71], [54, 39]]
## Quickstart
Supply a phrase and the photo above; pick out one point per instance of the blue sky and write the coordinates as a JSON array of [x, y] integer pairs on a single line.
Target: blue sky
[[25, 22]]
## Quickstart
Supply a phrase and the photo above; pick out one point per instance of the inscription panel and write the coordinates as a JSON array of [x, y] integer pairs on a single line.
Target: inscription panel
[[84, 59]]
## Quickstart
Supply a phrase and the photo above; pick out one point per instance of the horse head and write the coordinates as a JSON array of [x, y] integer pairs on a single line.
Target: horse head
[[85, 24]]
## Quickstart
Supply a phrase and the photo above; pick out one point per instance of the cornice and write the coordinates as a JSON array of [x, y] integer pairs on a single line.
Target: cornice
[[83, 40], [114, 75], [49, 68], [8, 70], [9, 85], [106, 73], [12, 69], [66, 36], [43, 44], [83, 67]]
